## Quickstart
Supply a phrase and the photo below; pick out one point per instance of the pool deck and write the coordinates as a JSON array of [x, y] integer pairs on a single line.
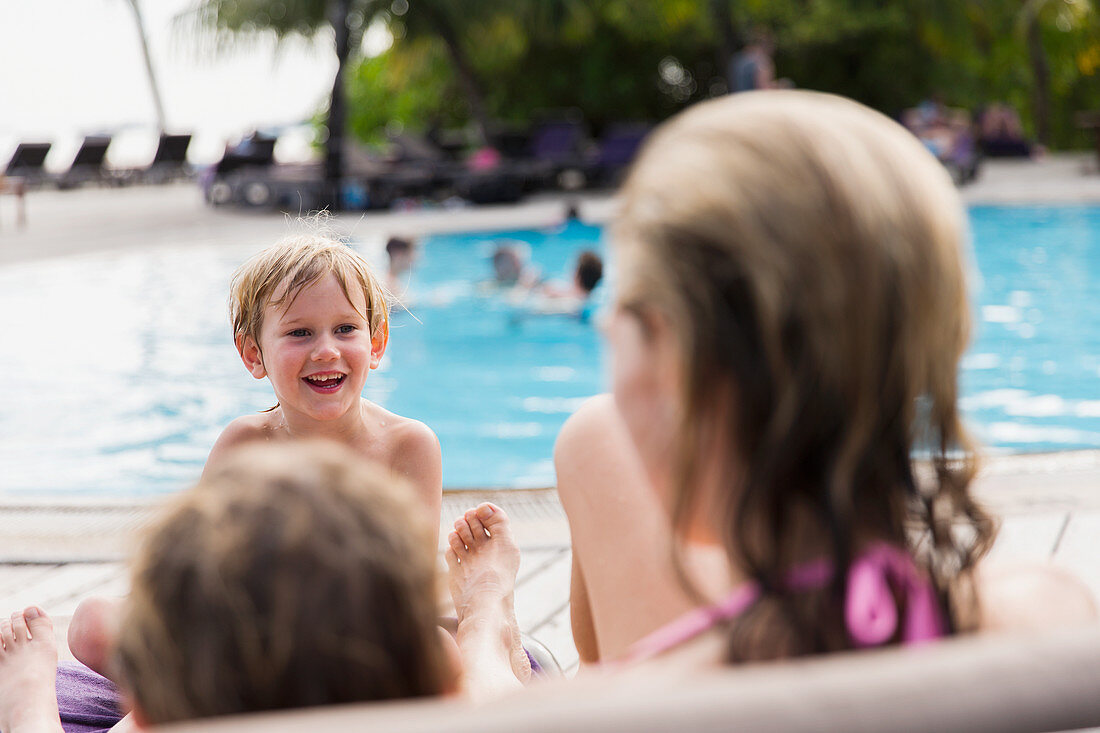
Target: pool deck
[[55, 552]]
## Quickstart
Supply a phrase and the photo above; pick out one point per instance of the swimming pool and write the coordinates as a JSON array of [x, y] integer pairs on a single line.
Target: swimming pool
[[121, 370], [1031, 380]]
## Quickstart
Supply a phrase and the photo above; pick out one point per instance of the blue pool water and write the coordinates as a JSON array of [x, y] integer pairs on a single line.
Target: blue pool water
[[120, 371], [1031, 381]]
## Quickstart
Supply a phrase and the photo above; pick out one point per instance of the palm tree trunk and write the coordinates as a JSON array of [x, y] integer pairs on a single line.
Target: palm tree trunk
[[1040, 69], [337, 108], [463, 69], [727, 38], [157, 104]]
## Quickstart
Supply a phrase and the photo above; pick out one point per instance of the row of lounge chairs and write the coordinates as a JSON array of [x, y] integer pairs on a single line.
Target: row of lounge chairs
[[557, 154], [89, 164]]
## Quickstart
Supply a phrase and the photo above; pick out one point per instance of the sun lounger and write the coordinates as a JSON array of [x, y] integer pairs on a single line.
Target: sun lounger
[[87, 165], [169, 164], [987, 683], [28, 163], [525, 163], [170, 160], [253, 151], [557, 152], [221, 183], [616, 151]]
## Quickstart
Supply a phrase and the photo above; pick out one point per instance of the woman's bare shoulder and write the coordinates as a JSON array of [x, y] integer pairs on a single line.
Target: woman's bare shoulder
[[1034, 597], [596, 419]]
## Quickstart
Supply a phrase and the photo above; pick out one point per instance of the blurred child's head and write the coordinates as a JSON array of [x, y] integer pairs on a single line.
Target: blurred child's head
[[507, 264], [589, 271], [295, 575], [400, 252], [275, 276], [800, 257]]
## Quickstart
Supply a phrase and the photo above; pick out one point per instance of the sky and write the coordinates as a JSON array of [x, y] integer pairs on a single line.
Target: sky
[[74, 67]]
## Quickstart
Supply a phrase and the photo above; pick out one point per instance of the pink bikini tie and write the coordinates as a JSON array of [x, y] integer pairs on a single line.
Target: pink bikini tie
[[870, 612]]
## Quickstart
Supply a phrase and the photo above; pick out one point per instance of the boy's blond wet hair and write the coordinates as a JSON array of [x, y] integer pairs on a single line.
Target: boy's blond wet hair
[[276, 275], [292, 576]]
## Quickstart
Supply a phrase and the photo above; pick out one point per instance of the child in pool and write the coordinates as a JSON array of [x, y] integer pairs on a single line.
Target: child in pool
[[291, 576], [570, 298], [401, 255], [310, 316]]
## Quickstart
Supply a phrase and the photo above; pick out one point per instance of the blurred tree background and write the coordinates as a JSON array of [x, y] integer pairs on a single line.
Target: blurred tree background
[[482, 64], [645, 59]]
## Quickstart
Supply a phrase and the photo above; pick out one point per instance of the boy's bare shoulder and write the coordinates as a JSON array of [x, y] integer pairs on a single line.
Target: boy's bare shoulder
[[245, 429], [414, 439], [404, 433]]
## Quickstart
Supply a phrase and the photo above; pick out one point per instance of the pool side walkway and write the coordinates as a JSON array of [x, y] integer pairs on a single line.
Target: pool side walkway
[[56, 552]]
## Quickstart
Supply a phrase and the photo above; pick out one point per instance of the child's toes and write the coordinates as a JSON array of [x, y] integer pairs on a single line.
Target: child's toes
[[457, 547], [19, 630], [491, 516], [477, 529], [5, 633], [463, 530], [39, 624], [451, 557]]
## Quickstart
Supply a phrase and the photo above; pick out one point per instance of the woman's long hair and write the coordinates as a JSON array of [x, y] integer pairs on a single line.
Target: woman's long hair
[[808, 253]]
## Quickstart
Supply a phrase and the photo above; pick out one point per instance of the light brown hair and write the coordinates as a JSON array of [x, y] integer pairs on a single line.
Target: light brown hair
[[277, 275], [292, 576], [807, 253]]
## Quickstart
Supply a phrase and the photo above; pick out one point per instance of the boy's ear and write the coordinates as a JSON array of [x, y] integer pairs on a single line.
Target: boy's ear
[[251, 356], [378, 343]]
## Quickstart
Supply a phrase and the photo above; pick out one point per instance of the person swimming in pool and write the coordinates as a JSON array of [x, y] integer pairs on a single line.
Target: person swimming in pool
[[586, 276], [401, 255], [510, 269], [573, 298]]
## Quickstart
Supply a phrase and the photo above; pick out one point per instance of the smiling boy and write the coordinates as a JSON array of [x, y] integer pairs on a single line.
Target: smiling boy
[[310, 316]]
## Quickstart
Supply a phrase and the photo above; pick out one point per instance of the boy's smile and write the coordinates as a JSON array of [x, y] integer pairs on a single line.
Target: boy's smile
[[316, 350], [325, 382]]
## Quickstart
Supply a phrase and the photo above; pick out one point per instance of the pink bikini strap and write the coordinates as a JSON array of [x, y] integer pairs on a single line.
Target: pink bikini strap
[[692, 624], [870, 611]]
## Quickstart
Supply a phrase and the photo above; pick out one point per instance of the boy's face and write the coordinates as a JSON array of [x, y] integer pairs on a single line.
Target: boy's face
[[317, 351]]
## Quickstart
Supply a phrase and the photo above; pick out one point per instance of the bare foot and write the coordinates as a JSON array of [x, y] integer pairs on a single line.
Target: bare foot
[[483, 560], [93, 630], [28, 666]]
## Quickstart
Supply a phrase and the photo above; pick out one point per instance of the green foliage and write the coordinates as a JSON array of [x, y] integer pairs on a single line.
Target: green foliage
[[604, 58], [410, 89], [455, 61]]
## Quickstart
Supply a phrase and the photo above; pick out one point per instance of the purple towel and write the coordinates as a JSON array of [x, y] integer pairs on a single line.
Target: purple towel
[[88, 702], [536, 668]]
